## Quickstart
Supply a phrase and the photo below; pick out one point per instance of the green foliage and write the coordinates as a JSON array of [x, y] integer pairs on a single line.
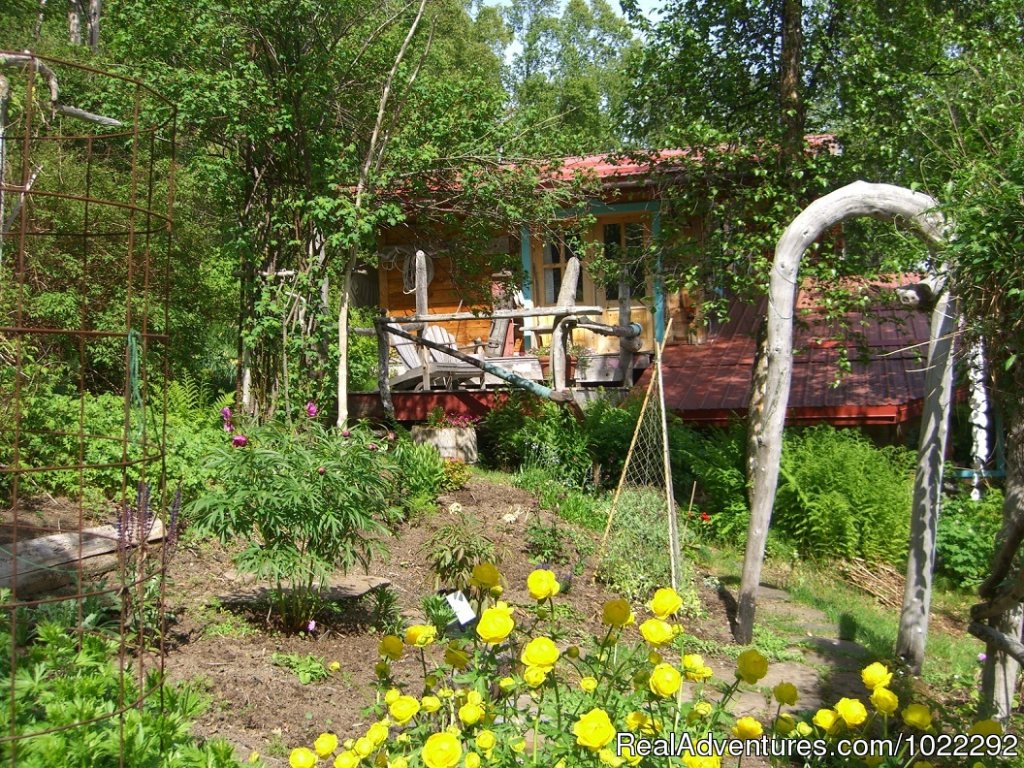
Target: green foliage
[[545, 544], [966, 537], [840, 496], [456, 475], [308, 668], [385, 611], [306, 500], [64, 678], [423, 476], [362, 351], [455, 548], [438, 612]]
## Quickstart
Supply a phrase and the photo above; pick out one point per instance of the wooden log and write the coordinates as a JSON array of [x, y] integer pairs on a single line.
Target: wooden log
[[53, 561], [442, 317]]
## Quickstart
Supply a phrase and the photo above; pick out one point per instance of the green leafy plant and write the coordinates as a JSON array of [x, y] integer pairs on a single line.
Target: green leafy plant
[[966, 536], [385, 611], [307, 501], [545, 543], [438, 612], [423, 474], [455, 547], [309, 669]]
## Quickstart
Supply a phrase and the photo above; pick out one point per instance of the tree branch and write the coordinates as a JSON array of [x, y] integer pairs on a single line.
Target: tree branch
[[998, 640]]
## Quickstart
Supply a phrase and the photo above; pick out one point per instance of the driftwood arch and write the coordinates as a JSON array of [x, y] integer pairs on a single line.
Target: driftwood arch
[[768, 403]]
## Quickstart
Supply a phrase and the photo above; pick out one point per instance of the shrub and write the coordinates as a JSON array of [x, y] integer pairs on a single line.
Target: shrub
[[966, 536], [455, 547], [423, 474], [306, 501], [456, 475], [840, 496]]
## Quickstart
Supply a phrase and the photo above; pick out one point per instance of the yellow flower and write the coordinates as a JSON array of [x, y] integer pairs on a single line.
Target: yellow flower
[[917, 716], [404, 709], [697, 761], [825, 719], [986, 728], [666, 603], [542, 584], [378, 732], [325, 744], [486, 740], [391, 695], [699, 711], [852, 712], [535, 676], [785, 693], [665, 680], [803, 729], [785, 723], [630, 758], [420, 635], [391, 647], [594, 730], [471, 714], [430, 704], [254, 756], [871, 761], [517, 745], [695, 668], [334, 666], [495, 624], [398, 762], [485, 576], [609, 758], [588, 684], [747, 728], [876, 675], [301, 757], [455, 657], [657, 632], [364, 747], [884, 700], [615, 613], [540, 652], [347, 759], [751, 666], [442, 750], [507, 684], [472, 760]]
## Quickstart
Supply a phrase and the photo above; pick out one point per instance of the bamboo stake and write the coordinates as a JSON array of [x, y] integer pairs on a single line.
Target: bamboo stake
[[675, 556]]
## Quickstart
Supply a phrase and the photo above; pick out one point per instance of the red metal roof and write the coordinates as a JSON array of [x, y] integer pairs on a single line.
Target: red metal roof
[[710, 382]]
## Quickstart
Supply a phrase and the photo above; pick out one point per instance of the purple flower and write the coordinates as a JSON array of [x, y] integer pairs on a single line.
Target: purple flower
[[311, 409], [372, 446], [229, 427], [321, 470], [225, 413], [982, 657], [311, 627], [239, 441], [346, 433]]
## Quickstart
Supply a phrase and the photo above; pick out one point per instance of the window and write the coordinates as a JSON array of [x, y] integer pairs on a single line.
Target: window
[[556, 253], [624, 243]]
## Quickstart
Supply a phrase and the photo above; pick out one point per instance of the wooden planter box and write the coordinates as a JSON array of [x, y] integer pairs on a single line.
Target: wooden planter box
[[456, 443]]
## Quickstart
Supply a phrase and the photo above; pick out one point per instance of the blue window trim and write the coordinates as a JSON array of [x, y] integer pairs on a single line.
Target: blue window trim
[[598, 207]]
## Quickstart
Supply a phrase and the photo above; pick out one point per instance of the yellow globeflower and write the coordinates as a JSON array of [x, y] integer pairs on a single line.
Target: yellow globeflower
[[364, 747], [471, 714], [334, 666], [918, 716], [442, 750], [485, 576], [325, 744], [751, 666], [785, 723], [876, 675], [302, 757], [588, 684], [404, 709], [542, 584], [594, 730], [391, 647], [472, 760], [420, 635], [825, 719], [884, 700], [517, 745], [697, 761], [540, 652], [495, 624], [609, 758], [986, 728], [506, 684], [398, 762], [347, 759], [485, 740], [665, 680], [430, 704], [747, 728], [630, 758], [657, 632], [666, 603], [535, 676], [615, 612], [852, 711], [699, 711], [378, 732], [391, 695], [803, 729], [786, 693]]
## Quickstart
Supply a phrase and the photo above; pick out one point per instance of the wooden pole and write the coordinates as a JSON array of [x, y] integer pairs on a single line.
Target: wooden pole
[[675, 556], [383, 361]]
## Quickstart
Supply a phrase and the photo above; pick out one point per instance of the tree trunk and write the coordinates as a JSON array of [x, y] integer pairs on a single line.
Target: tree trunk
[[75, 21], [95, 11], [791, 106], [857, 199], [346, 293]]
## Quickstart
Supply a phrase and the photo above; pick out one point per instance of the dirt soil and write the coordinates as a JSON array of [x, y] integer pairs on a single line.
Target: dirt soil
[[222, 642]]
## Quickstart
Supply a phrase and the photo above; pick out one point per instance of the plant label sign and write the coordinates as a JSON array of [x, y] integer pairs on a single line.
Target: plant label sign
[[460, 605]]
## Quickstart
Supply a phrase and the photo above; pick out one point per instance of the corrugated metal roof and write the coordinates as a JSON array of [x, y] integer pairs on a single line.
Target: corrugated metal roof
[[711, 381]]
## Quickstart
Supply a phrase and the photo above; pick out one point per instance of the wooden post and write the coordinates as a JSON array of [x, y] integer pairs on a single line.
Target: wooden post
[[560, 345], [674, 551], [421, 309], [768, 415], [626, 346], [383, 363]]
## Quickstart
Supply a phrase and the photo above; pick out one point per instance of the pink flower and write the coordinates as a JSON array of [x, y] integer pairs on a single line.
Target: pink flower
[[372, 446], [311, 409], [321, 470], [311, 627], [229, 427], [346, 433], [225, 413], [982, 657], [239, 441]]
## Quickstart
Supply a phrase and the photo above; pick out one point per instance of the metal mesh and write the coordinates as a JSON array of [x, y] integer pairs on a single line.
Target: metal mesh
[[86, 189]]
